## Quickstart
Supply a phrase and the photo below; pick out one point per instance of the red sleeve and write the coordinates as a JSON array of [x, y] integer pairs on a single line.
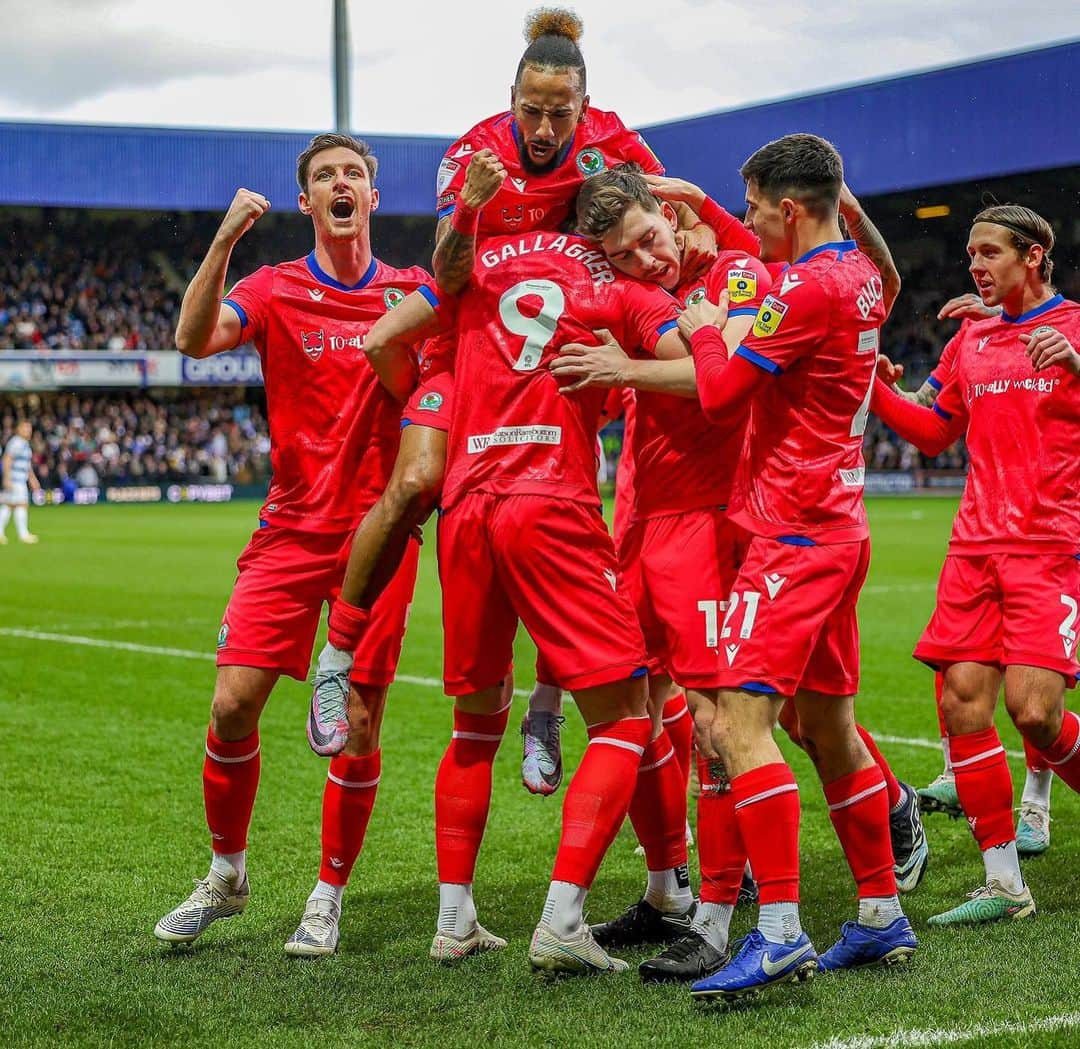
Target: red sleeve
[[648, 313], [724, 386], [631, 146], [250, 298], [450, 178], [789, 324], [731, 234], [931, 430], [745, 279], [947, 361], [614, 406]]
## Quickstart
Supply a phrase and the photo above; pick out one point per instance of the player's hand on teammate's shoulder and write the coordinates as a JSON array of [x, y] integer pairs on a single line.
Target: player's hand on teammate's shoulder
[[579, 366], [967, 307], [246, 208], [704, 313], [1046, 347], [483, 177], [676, 191]]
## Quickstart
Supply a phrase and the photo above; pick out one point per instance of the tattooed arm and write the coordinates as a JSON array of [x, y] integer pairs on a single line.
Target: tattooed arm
[[871, 244], [455, 238]]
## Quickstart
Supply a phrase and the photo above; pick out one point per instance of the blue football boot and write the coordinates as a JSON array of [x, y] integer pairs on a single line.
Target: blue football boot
[[757, 965], [859, 945]]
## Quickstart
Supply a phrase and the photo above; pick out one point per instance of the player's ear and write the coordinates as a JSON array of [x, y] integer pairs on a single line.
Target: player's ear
[[789, 210], [374, 199], [670, 216], [513, 95], [1034, 256], [303, 204], [584, 108]]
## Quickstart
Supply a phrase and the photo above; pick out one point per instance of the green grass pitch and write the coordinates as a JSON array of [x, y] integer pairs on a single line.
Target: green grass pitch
[[102, 831]]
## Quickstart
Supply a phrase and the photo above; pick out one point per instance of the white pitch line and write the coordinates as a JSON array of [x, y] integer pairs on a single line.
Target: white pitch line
[[952, 1035], [407, 679]]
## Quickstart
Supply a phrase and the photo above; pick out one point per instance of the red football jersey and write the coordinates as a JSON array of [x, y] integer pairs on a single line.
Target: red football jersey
[[1023, 485], [528, 201], [333, 427], [679, 463], [801, 473], [512, 431]]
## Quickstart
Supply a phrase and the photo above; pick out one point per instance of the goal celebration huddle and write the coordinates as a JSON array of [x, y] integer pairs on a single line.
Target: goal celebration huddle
[[574, 281]]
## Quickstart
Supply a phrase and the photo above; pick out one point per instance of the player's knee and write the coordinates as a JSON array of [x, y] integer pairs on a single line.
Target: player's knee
[[233, 714], [1038, 719], [366, 705]]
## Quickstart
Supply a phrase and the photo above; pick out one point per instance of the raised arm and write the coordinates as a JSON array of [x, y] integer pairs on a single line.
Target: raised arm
[[206, 325], [697, 207], [871, 244], [455, 237], [931, 430]]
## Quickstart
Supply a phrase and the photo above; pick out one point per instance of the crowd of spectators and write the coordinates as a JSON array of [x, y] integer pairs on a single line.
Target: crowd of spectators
[[121, 438]]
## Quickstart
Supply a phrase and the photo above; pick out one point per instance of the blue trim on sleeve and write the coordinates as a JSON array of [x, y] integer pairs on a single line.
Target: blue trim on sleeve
[[324, 278], [406, 422], [640, 672], [795, 540], [263, 523], [941, 411], [934, 382], [756, 358], [1057, 300], [429, 294], [443, 212], [744, 311], [758, 686], [666, 327], [240, 311]]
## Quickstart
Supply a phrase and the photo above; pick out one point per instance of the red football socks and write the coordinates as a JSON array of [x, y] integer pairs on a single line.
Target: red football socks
[[984, 786], [598, 797], [721, 852], [463, 792], [347, 623], [658, 807], [859, 810], [891, 784], [1063, 755], [230, 782], [679, 725], [348, 798], [767, 810]]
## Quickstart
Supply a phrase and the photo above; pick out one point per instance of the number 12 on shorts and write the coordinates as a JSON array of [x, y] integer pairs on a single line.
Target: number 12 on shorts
[[748, 600]]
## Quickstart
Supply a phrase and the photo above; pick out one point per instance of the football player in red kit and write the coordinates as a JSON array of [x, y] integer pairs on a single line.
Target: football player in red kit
[[533, 159], [334, 434], [1009, 590]]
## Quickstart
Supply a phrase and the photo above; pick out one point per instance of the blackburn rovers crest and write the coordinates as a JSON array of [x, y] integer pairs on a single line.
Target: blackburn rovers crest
[[695, 296], [393, 297], [590, 162]]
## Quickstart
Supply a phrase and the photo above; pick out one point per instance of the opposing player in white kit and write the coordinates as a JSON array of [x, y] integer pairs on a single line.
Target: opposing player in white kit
[[18, 479]]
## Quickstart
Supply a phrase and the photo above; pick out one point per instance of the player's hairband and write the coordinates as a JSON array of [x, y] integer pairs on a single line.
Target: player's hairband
[[1019, 231]]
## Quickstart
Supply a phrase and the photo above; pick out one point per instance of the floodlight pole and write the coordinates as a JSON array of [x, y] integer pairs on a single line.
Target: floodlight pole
[[342, 119]]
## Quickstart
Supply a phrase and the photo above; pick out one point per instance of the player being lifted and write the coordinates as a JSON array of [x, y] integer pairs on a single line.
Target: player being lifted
[[1009, 589], [17, 480], [790, 630], [539, 153], [334, 434]]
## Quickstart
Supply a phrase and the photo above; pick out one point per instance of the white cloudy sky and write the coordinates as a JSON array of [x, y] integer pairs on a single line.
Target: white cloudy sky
[[439, 67]]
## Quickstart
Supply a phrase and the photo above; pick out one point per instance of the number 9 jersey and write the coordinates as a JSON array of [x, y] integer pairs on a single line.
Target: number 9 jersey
[[513, 431]]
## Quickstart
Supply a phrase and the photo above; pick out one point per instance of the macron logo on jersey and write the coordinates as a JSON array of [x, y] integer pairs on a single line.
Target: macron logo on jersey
[[519, 184], [612, 579], [316, 293], [773, 582], [789, 282], [462, 151]]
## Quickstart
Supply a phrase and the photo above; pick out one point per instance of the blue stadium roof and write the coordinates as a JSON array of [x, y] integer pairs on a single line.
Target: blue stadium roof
[[946, 125]]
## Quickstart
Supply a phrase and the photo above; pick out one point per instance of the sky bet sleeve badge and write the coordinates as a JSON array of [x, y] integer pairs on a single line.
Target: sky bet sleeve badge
[[769, 316]]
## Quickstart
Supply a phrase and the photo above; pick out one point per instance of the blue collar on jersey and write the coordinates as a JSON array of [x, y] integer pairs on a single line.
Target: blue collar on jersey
[[324, 278], [1057, 300], [563, 154], [839, 246]]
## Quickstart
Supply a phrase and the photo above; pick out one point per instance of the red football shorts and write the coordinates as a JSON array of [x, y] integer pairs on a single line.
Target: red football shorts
[[790, 620], [1008, 609], [549, 563], [431, 403], [628, 538], [687, 565], [284, 578]]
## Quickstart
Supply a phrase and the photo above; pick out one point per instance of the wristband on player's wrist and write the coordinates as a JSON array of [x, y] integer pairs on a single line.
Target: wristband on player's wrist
[[465, 220]]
